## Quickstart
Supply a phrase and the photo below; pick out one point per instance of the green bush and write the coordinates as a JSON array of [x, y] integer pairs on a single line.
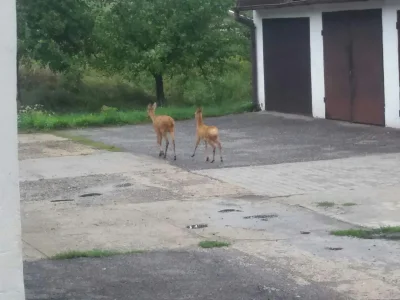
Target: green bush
[[72, 93], [59, 93]]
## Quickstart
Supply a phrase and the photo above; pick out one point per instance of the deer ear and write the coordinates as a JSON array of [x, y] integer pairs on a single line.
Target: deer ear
[[155, 105]]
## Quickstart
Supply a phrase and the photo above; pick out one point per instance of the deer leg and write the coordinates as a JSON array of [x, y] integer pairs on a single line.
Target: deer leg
[[220, 150], [205, 150], [159, 141], [214, 147], [166, 145], [195, 148], [173, 142]]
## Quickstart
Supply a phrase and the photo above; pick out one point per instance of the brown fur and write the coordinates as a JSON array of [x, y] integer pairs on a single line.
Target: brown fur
[[209, 134], [163, 125]]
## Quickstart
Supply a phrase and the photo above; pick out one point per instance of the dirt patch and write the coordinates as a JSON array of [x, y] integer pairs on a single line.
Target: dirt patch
[[55, 148]]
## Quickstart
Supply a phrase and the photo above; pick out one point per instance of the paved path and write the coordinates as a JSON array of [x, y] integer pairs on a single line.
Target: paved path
[[253, 139]]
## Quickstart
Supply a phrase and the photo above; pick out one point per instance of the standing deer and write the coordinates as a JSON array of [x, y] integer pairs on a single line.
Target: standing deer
[[207, 133], [162, 126]]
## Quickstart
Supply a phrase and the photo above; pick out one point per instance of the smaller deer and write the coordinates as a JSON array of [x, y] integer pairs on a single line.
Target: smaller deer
[[163, 125], [207, 133]]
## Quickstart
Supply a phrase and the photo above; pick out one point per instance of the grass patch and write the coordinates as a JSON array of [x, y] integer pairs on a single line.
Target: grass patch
[[91, 253], [213, 244], [325, 204], [349, 204], [39, 121], [88, 142], [390, 232]]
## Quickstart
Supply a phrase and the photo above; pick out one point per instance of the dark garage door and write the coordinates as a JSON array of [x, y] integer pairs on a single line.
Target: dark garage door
[[353, 56], [287, 65]]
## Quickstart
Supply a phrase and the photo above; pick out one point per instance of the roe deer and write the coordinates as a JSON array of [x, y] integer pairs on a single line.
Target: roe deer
[[207, 133], [162, 126]]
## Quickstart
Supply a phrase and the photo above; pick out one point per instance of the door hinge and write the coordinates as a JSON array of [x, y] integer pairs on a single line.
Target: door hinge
[[324, 99], [399, 113], [322, 32], [397, 25]]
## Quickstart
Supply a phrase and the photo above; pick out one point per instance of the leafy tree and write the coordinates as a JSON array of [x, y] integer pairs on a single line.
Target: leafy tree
[[54, 32], [164, 37]]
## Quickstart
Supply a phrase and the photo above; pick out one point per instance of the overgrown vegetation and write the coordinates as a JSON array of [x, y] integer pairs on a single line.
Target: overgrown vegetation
[[349, 204], [325, 204], [213, 244], [76, 56], [95, 253], [390, 232], [39, 120]]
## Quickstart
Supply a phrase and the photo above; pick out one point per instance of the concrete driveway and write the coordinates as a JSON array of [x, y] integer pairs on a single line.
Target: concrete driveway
[[258, 139], [277, 166]]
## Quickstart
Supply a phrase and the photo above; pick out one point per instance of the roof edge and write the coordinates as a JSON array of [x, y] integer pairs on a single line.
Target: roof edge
[[240, 7]]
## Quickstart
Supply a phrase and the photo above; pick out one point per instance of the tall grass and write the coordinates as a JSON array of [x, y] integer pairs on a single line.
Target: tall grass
[[38, 120]]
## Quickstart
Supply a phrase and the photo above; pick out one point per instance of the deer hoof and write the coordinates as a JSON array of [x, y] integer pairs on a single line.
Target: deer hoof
[[161, 153], [212, 161], [175, 157], [192, 155], [207, 159]]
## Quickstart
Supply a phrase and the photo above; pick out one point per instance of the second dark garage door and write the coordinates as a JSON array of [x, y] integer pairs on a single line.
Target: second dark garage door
[[353, 60], [287, 65]]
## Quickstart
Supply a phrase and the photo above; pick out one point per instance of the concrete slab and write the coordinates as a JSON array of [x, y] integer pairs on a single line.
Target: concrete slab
[[333, 176], [259, 139], [367, 207], [51, 229]]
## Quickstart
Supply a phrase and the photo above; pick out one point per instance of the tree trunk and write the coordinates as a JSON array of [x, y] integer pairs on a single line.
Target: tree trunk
[[160, 89]]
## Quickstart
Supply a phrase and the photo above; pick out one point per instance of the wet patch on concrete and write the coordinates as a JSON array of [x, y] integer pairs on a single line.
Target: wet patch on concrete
[[229, 210], [124, 185], [61, 200], [334, 248], [197, 226], [265, 217], [90, 195]]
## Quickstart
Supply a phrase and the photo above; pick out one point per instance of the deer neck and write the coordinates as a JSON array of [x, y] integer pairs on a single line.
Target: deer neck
[[152, 116], [199, 121]]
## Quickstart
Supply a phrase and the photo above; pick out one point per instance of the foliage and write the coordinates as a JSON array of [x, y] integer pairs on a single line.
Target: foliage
[[389, 232], [34, 121], [82, 55], [95, 253], [54, 33], [56, 93], [165, 38], [213, 244]]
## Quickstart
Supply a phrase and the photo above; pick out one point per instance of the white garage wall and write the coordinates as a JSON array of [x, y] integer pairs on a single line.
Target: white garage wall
[[314, 12], [11, 271]]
